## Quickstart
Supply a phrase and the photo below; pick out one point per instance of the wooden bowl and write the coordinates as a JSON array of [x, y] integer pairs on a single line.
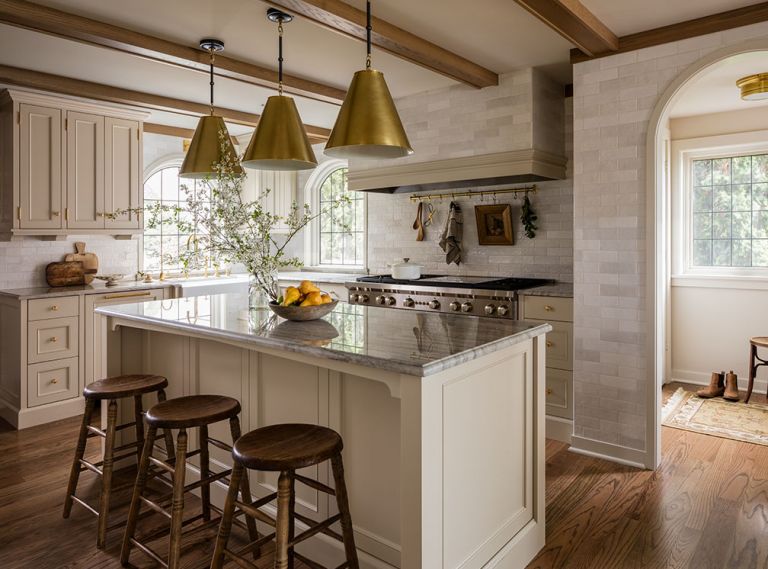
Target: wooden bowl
[[303, 313]]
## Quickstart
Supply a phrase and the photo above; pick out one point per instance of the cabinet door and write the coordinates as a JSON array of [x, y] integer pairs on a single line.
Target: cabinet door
[[85, 171], [123, 170], [40, 190]]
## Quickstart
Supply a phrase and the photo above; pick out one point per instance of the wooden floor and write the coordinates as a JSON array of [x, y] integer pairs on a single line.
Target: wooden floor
[[705, 508]]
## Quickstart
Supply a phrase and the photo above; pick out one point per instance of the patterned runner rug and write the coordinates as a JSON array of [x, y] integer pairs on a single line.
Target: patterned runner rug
[[717, 417]]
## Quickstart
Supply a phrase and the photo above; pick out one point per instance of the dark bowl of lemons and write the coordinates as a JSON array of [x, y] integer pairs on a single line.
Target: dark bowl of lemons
[[303, 303]]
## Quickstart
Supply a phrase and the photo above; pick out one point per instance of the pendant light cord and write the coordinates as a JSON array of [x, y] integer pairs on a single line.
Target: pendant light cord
[[280, 56], [212, 60], [368, 29]]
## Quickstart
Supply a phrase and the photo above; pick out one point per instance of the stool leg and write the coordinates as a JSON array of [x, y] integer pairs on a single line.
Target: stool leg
[[205, 489], [225, 528], [138, 491], [167, 435], [752, 371], [343, 504], [82, 439], [283, 520], [106, 469], [177, 507], [138, 412], [291, 520], [245, 489]]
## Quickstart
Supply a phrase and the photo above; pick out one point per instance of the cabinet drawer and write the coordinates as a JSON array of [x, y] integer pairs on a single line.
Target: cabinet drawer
[[127, 297], [48, 382], [559, 390], [59, 307], [53, 339], [548, 308], [559, 346]]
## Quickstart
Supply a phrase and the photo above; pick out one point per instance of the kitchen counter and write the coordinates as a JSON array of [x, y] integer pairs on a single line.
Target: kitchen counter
[[564, 290], [424, 402], [415, 343], [96, 287], [318, 277]]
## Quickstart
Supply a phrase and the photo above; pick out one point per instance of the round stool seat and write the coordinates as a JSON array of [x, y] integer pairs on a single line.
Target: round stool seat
[[124, 386], [761, 341], [287, 447], [192, 411]]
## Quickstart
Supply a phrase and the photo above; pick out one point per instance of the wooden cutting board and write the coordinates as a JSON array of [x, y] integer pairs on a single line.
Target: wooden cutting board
[[89, 260], [65, 274]]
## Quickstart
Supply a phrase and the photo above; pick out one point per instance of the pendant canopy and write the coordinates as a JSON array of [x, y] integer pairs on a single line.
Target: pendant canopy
[[368, 125], [754, 87], [280, 141], [211, 143]]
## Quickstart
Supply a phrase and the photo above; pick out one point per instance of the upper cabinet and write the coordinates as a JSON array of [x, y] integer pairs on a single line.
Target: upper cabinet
[[68, 167]]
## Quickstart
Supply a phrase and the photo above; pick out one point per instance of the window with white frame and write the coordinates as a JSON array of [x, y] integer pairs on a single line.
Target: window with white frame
[[163, 240], [337, 237]]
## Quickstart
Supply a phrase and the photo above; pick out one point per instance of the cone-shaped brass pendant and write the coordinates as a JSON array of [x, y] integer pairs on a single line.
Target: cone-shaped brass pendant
[[280, 142], [368, 125], [207, 149]]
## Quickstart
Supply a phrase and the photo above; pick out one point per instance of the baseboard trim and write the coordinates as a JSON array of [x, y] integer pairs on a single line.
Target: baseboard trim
[[702, 378], [49, 413], [607, 451], [559, 429]]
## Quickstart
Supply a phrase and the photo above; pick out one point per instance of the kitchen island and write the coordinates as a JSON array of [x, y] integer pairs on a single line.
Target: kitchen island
[[442, 416]]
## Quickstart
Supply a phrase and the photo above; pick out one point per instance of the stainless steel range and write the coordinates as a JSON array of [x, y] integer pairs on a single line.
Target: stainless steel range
[[493, 297]]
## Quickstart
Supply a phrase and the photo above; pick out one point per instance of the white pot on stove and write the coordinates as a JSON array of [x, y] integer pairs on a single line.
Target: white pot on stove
[[405, 270]]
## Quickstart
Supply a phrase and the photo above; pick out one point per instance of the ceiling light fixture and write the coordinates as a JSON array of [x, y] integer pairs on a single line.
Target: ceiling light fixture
[[754, 87], [280, 141], [368, 125], [206, 149]]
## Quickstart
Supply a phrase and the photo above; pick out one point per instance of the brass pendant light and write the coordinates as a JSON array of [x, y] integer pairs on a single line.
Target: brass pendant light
[[280, 141], [368, 125], [754, 87], [207, 148]]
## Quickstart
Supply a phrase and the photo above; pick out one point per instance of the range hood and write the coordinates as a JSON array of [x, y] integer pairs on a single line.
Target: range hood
[[513, 167]]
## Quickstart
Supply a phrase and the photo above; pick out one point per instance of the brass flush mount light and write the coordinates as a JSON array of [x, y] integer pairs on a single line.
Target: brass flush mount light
[[368, 125], [207, 148], [280, 141], [754, 87]]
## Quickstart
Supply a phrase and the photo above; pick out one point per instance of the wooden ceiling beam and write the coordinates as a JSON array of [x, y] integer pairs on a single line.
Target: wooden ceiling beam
[[684, 30], [572, 20], [348, 20], [77, 28], [89, 90]]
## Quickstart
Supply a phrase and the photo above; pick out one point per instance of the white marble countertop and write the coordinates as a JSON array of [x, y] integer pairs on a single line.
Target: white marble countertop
[[319, 277], [402, 341], [96, 288]]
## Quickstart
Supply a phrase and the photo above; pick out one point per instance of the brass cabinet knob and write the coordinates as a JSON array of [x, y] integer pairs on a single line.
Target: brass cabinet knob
[[549, 391], [55, 213], [54, 308], [549, 344], [54, 381], [548, 308], [53, 339]]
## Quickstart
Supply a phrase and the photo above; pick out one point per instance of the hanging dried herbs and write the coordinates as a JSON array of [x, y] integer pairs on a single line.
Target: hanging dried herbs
[[528, 217]]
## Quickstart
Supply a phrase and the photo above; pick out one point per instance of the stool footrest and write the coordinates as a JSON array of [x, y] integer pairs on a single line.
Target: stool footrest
[[314, 529], [161, 464], [252, 509], [310, 522], [85, 465], [159, 509], [256, 544], [219, 444], [149, 552], [85, 505], [314, 484], [307, 561], [126, 446]]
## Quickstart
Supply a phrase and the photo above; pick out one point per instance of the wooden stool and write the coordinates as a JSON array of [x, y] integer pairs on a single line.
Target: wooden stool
[[754, 343], [285, 449], [111, 389], [182, 413]]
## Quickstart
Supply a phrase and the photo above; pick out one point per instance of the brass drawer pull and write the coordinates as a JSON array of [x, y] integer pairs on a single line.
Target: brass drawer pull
[[549, 344], [54, 308], [548, 308], [549, 391], [53, 339], [126, 295], [54, 381]]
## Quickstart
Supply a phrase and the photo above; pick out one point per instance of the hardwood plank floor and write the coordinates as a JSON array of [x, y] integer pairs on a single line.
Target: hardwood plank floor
[[706, 507]]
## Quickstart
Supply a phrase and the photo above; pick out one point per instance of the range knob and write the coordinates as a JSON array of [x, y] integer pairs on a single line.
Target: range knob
[[489, 309], [455, 306], [434, 304], [381, 300], [409, 302], [466, 307], [362, 298], [502, 310], [391, 301], [354, 297]]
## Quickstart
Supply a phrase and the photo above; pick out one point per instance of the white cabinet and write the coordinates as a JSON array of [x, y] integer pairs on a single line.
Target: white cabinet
[[276, 189], [68, 165]]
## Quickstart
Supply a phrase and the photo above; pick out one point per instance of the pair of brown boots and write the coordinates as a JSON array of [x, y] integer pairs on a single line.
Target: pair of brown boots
[[721, 385]]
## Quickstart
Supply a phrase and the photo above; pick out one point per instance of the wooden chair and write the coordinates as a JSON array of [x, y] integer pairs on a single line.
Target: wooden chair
[[110, 390], [755, 361], [194, 411], [285, 449]]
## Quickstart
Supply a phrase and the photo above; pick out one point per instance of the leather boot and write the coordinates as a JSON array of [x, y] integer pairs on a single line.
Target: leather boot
[[716, 386], [731, 387]]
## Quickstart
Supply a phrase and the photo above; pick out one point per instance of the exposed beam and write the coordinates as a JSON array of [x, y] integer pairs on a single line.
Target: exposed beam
[[572, 20], [167, 130], [89, 90], [684, 30], [348, 20], [73, 27]]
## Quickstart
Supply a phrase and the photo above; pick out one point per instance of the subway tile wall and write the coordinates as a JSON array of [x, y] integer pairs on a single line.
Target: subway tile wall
[[613, 101]]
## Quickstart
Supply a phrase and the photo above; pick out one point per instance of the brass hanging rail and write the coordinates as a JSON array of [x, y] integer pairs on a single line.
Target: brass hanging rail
[[470, 194]]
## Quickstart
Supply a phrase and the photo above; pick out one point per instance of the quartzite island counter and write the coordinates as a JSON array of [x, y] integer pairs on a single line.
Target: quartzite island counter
[[442, 416]]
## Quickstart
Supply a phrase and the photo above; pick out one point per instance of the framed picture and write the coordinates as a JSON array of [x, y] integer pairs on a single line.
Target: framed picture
[[494, 224]]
